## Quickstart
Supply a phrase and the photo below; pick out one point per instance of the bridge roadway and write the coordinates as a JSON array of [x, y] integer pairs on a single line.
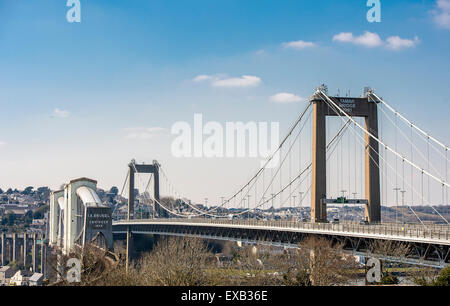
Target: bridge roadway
[[428, 246]]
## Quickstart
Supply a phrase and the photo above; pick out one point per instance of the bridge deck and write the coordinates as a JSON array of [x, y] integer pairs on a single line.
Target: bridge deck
[[433, 234]]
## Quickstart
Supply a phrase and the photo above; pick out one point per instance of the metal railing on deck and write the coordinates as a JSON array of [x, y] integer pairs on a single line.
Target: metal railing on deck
[[435, 232]]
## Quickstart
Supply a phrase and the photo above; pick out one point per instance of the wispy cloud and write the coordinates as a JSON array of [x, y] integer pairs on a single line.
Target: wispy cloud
[[261, 52], [368, 39], [57, 113], [244, 81], [442, 13], [284, 97], [373, 40], [201, 78], [143, 132], [299, 44], [397, 43], [224, 81], [2, 143]]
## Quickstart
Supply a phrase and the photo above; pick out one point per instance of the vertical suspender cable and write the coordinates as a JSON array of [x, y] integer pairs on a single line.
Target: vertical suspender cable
[[422, 187], [412, 174], [281, 181], [403, 190], [354, 165], [446, 174], [428, 167], [299, 160], [396, 150], [348, 168], [327, 163], [290, 173]]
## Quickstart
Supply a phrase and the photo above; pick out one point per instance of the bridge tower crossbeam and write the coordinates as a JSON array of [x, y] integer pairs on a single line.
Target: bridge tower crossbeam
[[355, 107]]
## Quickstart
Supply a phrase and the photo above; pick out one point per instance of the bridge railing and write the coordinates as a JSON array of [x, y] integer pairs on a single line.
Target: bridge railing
[[436, 232]]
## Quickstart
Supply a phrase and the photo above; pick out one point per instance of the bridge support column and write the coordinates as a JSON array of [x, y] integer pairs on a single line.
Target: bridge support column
[[3, 246], [129, 248], [319, 161], [130, 213], [55, 211], [372, 174], [25, 250], [43, 257], [59, 266], [14, 251], [34, 255]]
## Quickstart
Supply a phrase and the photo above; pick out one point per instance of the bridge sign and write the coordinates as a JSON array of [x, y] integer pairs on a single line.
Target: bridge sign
[[98, 220], [343, 200]]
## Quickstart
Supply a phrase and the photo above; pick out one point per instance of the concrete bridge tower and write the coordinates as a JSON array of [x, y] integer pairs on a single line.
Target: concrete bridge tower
[[355, 107]]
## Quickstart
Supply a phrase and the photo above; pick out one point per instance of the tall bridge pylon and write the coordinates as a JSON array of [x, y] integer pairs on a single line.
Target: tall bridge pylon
[[355, 107], [77, 216], [144, 168]]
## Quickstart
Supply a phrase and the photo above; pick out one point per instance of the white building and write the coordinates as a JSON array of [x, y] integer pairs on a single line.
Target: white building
[[20, 278], [6, 273], [36, 279]]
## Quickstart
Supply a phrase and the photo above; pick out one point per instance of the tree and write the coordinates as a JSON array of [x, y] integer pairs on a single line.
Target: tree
[[1, 191], [328, 265], [101, 194], [43, 193], [39, 213], [9, 191], [114, 190], [11, 219], [443, 278], [28, 190], [389, 248], [176, 262], [28, 217]]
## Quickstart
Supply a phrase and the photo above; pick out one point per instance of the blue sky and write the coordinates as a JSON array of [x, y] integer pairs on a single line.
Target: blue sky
[[69, 92]]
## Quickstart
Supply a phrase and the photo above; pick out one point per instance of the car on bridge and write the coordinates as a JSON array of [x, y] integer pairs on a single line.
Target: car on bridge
[[335, 221]]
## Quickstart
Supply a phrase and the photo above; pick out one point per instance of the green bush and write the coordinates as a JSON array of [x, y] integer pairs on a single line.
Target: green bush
[[443, 278], [389, 279]]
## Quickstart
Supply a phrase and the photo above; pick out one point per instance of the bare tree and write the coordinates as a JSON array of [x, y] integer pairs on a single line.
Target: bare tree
[[328, 264], [392, 255], [176, 262]]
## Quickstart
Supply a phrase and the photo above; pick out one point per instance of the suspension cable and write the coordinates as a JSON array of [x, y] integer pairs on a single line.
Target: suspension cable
[[380, 142], [377, 164], [410, 123]]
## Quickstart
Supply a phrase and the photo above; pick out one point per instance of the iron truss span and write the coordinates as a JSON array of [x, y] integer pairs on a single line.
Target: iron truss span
[[429, 246]]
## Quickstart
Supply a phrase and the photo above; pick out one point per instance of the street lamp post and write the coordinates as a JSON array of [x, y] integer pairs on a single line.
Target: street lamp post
[[301, 201], [273, 196], [403, 205], [248, 207], [396, 202]]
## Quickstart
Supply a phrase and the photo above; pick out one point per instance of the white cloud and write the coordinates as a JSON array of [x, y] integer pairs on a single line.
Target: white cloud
[[343, 37], [143, 132], [244, 81], [284, 97], [442, 14], [368, 39], [221, 80], [397, 43], [299, 44], [372, 40], [201, 78], [57, 113], [2, 143]]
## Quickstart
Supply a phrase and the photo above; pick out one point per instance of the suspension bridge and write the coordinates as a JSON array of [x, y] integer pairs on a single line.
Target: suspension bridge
[[337, 147]]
